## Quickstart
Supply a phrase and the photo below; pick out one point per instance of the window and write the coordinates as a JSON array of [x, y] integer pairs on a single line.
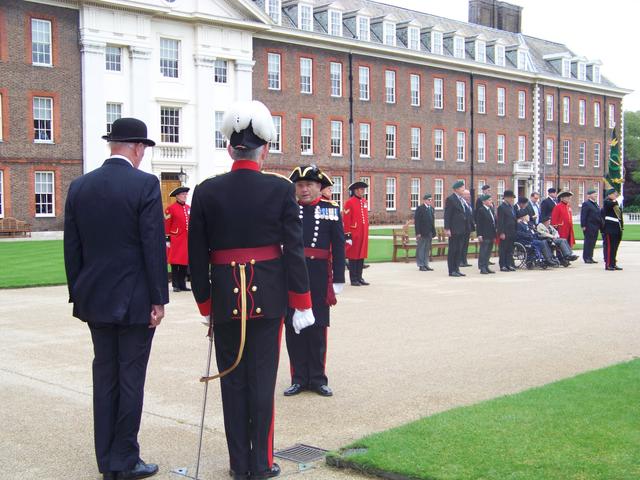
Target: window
[[549, 105], [170, 124], [276, 144], [306, 136], [501, 101], [436, 43], [306, 72], [273, 71], [220, 71], [565, 109], [1, 194], [612, 116], [438, 99], [44, 192], [336, 137], [365, 140], [500, 58], [566, 145], [1, 124], [581, 192], [482, 141], [500, 143], [113, 58], [363, 28], [438, 189], [458, 47], [390, 141], [41, 42], [413, 35], [169, 52], [43, 120], [415, 193], [500, 190], [565, 187], [415, 143], [366, 195], [415, 90], [582, 71], [390, 198], [597, 187], [336, 79], [522, 148], [582, 112], [522, 104], [582, 154], [438, 145], [596, 114], [460, 146], [596, 155], [460, 96], [390, 86], [363, 80], [548, 153], [273, 10], [305, 17], [596, 74], [335, 23], [389, 33], [114, 112], [336, 191], [566, 68], [220, 141], [482, 99], [481, 51]]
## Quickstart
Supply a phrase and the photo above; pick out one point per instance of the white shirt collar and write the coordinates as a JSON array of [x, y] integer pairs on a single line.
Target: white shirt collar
[[123, 158]]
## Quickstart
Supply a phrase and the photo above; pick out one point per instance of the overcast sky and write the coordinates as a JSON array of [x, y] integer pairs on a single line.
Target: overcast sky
[[597, 30]]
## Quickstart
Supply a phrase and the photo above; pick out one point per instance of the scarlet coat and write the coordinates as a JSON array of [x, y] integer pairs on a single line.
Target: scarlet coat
[[562, 219], [356, 228], [176, 226]]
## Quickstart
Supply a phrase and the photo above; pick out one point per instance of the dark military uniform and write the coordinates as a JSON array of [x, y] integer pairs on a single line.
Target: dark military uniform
[[324, 250], [506, 224], [247, 219], [591, 223], [611, 232], [455, 220]]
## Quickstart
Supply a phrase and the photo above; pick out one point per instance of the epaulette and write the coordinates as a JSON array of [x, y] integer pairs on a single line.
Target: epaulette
[[331, 202], [212, 176], [278, 175]]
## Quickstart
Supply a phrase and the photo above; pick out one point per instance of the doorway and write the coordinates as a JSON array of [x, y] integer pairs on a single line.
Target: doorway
[[169, 181]]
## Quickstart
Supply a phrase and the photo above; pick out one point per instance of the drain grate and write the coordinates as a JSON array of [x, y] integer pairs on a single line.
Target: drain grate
[[301, 453]]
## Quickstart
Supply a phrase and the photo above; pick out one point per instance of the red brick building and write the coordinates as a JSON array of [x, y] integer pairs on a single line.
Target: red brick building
[[40, 106], [411, 102]]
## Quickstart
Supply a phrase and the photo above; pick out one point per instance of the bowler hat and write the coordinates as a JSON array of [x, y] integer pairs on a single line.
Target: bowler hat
[[129, 130], [178, 191], [359, 184], [508, 194], [552, 190], [310, 173]]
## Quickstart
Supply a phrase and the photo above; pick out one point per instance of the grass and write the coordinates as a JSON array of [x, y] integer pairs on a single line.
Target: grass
[[583, 428], [31, 264]]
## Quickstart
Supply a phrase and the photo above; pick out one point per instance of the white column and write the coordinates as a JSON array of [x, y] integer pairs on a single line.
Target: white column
[[94, 116], [141, 91], [244, 75], [536, 143], [205, 120]]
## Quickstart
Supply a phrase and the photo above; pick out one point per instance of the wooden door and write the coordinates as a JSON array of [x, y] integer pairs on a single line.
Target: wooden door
[[168, 183]]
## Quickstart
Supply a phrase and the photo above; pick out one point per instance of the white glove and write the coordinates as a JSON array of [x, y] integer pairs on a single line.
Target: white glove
[[206, 319], [167, 244], [302, 319], [337, 288], [349, 241]]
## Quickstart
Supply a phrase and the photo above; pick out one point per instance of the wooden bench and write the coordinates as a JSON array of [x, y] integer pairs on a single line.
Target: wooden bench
[[402, 241], [10, 227]]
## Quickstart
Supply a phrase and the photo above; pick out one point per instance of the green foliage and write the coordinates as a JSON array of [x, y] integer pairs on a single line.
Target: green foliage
[[632, 138]]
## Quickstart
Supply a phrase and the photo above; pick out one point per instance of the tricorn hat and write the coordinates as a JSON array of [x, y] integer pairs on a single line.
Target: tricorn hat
[[358, 184], [310, 173], [565, 194], [129, 130], [248, 125], [178, 191]]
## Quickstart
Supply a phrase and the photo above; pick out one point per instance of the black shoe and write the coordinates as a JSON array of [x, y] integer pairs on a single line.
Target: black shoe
[[428, 269], [176, 289], [362, 282], [611, 269], [484, 271], [590, 260], [294, 389], [505, 269], [356, 284], [185, 289], [324, 391], [365, 266], [460, 274], [423, 269], [109, 476], [615, 267], [512, 269], [465, 264], [572, 258], [455, 274], [238, 476], [274, 471], [141, 470]]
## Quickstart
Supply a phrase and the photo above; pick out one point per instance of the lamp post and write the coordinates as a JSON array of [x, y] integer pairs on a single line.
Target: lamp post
[[182, 176]]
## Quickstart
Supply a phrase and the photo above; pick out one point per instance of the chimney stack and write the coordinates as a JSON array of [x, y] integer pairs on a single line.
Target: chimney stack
[[496, 14]]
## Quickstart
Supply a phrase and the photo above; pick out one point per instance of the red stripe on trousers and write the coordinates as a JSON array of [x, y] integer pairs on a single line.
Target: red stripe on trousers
[[273, 412], [608, 260], [326, 347]]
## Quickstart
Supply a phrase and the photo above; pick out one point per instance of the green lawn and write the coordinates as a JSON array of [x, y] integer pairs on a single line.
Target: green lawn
[[582, 428], [31, 263]]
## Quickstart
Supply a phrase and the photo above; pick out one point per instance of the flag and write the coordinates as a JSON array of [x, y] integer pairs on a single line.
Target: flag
[[614, 173]]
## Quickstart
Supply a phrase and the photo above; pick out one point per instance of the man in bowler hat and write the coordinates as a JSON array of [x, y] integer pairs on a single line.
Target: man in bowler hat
[[591, 224], [356, 232], [176, 227], [425, 225], [114, 251], [486, 230], [506, 229], [549, 203], [455, 227]]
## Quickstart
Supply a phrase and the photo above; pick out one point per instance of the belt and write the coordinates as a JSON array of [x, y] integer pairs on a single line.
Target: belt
[[316, 253], [235, 256], [612, 219]]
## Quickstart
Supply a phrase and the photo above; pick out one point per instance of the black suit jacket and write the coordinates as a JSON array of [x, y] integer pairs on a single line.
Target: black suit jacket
[[425, 221], [546, 207], [485, 224], [455, 218], [590, 216], [114, 245], [506, 221]]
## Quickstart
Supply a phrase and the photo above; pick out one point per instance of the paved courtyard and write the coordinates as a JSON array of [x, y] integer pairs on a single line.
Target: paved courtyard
[[411, 344]]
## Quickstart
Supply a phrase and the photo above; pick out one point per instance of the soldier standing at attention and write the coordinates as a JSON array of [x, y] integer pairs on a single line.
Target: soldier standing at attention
[[247, 263], [591, 223], [455, 226], [176, 227], [612, 230], [356, 232], [324, 252]]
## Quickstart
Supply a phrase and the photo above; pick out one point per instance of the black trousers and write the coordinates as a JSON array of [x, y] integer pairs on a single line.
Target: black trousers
[[121, 354], [355, 269], [178, 276], [247, 392], [456, 242], [590, 239], [506, 252], [464, 248], [485, 253], [308, 355], [610, 244]]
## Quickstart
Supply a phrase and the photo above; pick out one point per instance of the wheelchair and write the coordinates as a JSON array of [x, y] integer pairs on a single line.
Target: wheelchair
[[527, 256]]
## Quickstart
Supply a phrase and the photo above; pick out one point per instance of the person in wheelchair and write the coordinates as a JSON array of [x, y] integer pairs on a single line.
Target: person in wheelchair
[[546, 231], [526, 235]]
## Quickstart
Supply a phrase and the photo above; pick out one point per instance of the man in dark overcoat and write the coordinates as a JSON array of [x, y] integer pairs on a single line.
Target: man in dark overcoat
[[486, 230], [591, 224], [425, 225], [455, 227], [506, 229]]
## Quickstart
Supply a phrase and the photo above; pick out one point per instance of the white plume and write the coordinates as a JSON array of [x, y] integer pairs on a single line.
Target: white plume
[[240, 114]]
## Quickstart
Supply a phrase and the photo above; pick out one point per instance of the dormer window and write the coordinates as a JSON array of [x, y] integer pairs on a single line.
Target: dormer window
[[524, 60], [363, 28], [436, 43], [389, 33], [596, 74], [566, 68], [481, 51], [335, 23], [582, 71], [458, 47], [273, 8], [500, 56], [305, 17], [413, 38]]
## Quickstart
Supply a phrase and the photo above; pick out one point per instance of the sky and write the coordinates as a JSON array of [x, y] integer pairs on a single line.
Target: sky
[[594, 29]]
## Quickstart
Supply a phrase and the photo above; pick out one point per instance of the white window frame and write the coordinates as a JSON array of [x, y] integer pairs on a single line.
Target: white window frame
[[1, 193], [582, 71], [390, 141], [363, 28], [389, 33], [482, 99], [390, 86], [522, 148], [481, 51], [275, 146], [220, 142], [220, 71], [596, 114], [336, 79], [501, 144], [522, 104], [306, 75], [612, 116], [416, 134], [438, 193], [336, 138], [414, 195], [500, 190], [501, 99], [566, 109], [500, 56], [113, 112], [334, 21], [170, 57], [413, 38], [438, 145], [438, 93], [113, 58], [549, 107], [364, 83], [1, 119], [582, 112], [482, 147], [581, 192], [365, 140], [597, 154], [38, 190], [566, 68], [43, 126], [549, 151], [458, 46], [460, 96], [390, 197], [582, 154], [336, 191], [566, 153], [273, 71], [170, 133], [414, 85], [596, 77], [367, 191], [437, 43], [306, 131], [305, 17], [41, 42], [273, 9], [461, 146]]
